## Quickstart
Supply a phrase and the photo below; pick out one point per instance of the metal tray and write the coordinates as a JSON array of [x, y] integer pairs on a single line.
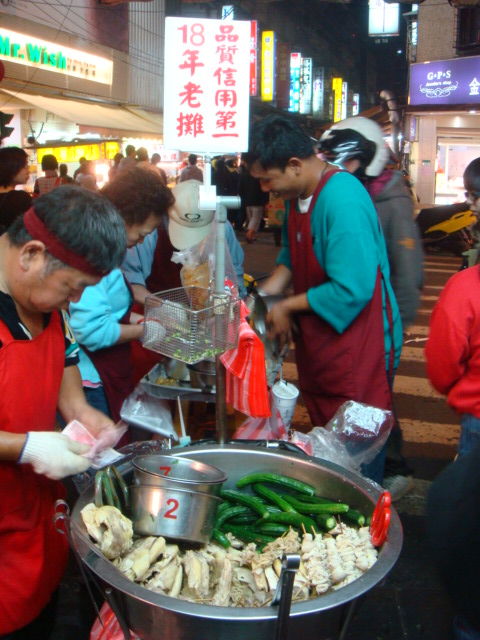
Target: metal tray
[[181, 388]]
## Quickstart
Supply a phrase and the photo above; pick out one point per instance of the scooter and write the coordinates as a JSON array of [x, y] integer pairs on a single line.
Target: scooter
[[450, 228]]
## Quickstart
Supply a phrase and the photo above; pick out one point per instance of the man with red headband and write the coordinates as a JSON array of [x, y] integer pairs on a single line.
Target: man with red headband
[[66, 242]]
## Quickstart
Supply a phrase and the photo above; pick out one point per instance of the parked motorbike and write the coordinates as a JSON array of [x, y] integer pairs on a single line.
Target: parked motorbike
[[452, 228]]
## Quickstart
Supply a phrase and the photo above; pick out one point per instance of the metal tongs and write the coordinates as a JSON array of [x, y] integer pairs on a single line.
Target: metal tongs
[[284, 591]]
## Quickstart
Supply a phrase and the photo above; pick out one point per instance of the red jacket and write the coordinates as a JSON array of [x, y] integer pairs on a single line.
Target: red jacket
[[453, 347]]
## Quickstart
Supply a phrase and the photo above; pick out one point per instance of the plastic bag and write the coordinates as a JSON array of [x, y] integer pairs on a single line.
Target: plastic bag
[[111, 629], [143, 410], [271, 428], [199, 263], [354, 436]]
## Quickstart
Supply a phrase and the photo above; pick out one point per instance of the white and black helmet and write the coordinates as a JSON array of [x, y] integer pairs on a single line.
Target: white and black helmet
[[356, 138]]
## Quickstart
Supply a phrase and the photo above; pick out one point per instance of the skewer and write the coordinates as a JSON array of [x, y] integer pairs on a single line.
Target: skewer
[[180, 413]]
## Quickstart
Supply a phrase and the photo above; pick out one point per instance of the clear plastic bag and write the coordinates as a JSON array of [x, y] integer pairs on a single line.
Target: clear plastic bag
[[271, 428], [354, 436], [143, 410]]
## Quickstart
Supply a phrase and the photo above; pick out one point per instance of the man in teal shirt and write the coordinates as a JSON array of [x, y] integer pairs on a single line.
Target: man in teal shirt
[[343, 314]]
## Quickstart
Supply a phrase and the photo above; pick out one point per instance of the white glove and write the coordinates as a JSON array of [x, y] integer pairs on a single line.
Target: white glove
[[54, 455]]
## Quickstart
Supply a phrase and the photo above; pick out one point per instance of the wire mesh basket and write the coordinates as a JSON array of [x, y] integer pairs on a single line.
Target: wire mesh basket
[[190, 324]]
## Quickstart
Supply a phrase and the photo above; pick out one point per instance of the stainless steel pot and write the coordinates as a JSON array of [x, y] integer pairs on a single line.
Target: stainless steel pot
[[177, 472], [202, 375], [178, 514], [152, 615]]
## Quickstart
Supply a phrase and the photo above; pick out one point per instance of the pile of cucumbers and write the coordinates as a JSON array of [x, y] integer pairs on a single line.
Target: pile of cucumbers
[[270, 513]]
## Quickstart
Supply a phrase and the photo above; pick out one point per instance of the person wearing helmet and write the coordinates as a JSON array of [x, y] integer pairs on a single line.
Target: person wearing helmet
[[343, 314], [357, 145]]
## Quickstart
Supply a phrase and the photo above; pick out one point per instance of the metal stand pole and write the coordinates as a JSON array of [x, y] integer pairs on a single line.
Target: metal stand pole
[[210, 200]]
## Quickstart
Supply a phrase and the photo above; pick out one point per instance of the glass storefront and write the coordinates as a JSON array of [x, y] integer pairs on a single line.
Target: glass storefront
[[453, 156]]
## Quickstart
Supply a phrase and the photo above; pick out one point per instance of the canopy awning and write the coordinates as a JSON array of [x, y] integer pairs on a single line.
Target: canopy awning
[[131, 119]]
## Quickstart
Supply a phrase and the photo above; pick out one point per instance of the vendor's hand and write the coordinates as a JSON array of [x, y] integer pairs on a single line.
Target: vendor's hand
[[279, 324], [54, 455], [136, 318], [94, 420]]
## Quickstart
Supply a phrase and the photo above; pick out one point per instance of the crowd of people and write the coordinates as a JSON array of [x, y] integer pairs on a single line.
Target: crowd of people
[[76, 265]]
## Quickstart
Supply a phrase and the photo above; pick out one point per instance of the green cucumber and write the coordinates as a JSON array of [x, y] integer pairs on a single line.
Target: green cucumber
[[314, 507], [295, 519], [247, 501], [249, 535], [326, 521], [354, 517], [285, 481], [272, 497], [221, 538]]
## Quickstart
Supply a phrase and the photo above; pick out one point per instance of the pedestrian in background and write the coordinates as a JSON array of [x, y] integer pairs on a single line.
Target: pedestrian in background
[[130, 159], [343, 314], [453, 346], [81, 163], [14, 171], [86, 177], [112, 172], [50, 180], [253, 200], [64, 177], [155, 161], [191, 171], [357, 145]]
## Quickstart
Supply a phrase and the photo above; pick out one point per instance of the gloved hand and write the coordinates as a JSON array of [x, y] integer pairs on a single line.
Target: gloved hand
[[54, 455]]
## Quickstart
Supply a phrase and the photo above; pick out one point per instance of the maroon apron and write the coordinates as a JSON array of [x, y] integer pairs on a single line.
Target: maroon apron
[[164, 274], [333, 367], [115, 368]]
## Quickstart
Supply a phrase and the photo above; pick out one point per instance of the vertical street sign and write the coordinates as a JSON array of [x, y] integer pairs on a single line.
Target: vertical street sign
[[207, 85]]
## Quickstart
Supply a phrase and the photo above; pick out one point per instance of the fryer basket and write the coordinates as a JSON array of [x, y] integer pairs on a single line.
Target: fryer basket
[[190, 323]]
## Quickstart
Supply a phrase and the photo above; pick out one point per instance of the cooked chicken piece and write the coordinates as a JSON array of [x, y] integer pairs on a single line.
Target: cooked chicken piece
[[144, 552], [165, 578], [334, 561], [222, 594], [314, 563], [110, 529], [197, 572]]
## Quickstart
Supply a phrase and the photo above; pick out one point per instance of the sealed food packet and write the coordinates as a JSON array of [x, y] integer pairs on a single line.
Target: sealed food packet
[[101, 452]]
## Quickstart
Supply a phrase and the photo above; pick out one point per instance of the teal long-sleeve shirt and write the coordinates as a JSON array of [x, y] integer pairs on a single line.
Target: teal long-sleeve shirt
[[349, 246]]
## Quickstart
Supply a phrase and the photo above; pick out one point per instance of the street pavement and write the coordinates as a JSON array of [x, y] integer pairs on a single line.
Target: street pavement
[[410, 604]]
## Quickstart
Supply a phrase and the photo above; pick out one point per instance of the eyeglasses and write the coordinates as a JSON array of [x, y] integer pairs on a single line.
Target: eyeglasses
[[472, 195]]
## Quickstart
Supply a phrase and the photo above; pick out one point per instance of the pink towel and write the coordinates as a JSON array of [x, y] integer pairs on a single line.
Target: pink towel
[[246, 379]]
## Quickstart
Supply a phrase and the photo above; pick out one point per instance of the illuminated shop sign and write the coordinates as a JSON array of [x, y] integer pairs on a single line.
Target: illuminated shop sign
[[356, 104], [306, 86], [445, 82], [383, 18], [268, 66], [253, 58], [295, 64], [32, 52], [337, 92], [344, 99], [318, 91], [282, 75], [207, 80]]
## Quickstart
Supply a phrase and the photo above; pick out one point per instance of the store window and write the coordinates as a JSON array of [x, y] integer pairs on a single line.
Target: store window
[[452, 160], [468, 31]]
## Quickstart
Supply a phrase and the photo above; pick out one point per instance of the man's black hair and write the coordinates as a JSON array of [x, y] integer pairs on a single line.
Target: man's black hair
[[12, 160], [49, 162], [276, 139], [471, 176], [85, 222], [137, 194]]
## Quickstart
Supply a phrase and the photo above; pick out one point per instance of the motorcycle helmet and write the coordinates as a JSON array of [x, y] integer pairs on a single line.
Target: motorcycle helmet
[[356, 138]]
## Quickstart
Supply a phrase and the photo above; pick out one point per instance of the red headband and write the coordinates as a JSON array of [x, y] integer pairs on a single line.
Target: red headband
[[37, 229]]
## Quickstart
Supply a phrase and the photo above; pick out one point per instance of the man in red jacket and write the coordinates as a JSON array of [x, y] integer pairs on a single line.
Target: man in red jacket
[[453, 347], [67, 241]]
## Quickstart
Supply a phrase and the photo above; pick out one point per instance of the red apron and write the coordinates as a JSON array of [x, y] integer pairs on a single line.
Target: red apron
[[333, 367], [33, 555], [115, 368], [164, 275]]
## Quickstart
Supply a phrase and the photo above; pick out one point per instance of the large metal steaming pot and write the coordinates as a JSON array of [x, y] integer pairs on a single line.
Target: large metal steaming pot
[[153, 616]]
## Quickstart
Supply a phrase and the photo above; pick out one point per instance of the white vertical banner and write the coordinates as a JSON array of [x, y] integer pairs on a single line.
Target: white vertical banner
[[207, 77], [344, 100], [306, 86]]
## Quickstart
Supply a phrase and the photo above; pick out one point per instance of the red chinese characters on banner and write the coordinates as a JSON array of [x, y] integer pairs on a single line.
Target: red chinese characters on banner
[[194, 97]]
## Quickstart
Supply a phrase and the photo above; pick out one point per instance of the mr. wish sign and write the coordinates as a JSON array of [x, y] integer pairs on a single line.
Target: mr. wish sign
[[207, 73]]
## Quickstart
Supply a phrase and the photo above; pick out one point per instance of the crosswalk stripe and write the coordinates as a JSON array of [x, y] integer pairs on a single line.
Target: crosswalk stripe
[[424, 298], [420, 431], [412, 354], [416, 330], [415, 387]]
